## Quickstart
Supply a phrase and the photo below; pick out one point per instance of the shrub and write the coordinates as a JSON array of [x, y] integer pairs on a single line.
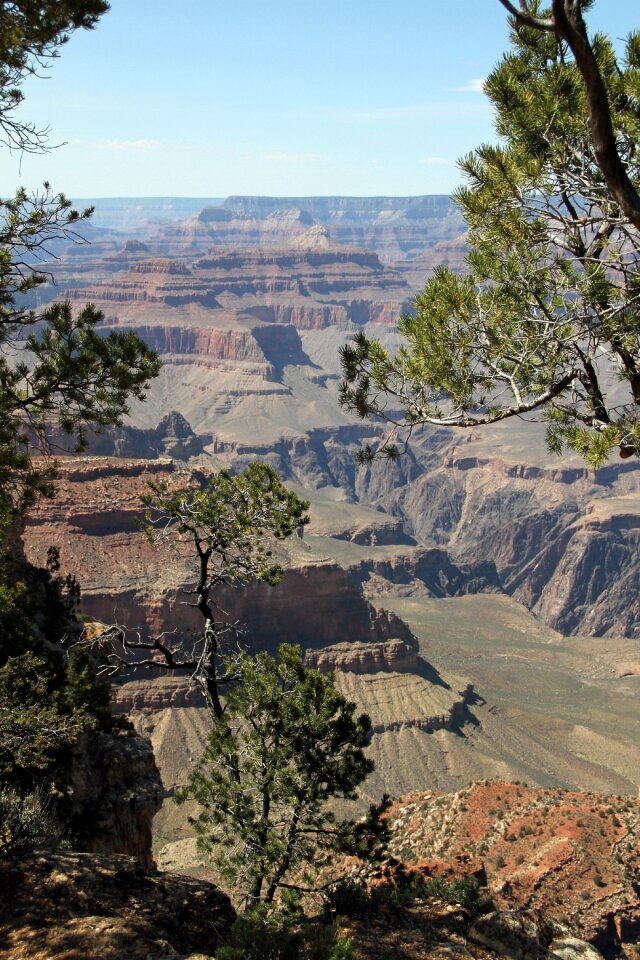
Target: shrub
[[347, 897], [465, 891], [26, 822], [351, 897], [258, 934]]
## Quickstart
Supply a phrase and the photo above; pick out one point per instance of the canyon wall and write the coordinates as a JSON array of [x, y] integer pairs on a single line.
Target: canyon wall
[[248, 304]]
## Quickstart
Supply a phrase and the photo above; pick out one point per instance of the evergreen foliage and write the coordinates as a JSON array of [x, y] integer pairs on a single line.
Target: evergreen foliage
[[547, 320], [287, 743], [353, 897], [31, 33], [27, 821], [262, 933], [58, 372], [228, 527], [49, 689], [36, 725]]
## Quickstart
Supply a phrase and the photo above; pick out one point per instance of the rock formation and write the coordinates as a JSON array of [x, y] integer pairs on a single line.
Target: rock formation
[[571, 856], [116, 792]]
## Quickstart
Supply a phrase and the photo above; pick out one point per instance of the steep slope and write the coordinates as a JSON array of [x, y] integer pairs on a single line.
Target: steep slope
[[574, 856]]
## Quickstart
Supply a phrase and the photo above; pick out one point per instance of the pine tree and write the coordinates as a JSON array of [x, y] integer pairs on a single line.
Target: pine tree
[[547, 319], [229, 526], [287, 744]]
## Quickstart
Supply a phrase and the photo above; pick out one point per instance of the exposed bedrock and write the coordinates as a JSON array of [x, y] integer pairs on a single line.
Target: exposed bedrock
[[95, 522], [358, 657], [564, 541], [570, 855], [393, 226], [264, 349], [161, 691], [431, 571], [304, 316], [202, 342], [116, 793], [310, 283], [595, 585], [172, 438], [314, 606], [326, 457]]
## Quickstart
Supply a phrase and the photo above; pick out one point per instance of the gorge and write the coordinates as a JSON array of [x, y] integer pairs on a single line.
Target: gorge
[[478, 597]]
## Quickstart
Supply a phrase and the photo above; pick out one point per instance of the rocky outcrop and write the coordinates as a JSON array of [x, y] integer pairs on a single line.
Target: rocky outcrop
[[428, 572], [310, 283], [249, 334], [95, 519], [594, 587], [173, 437], [452, 720], [396, 227], [151, 695], [357, 657], [563, 540], [116, 790], [528, 935], [571, 856], [78, 905]]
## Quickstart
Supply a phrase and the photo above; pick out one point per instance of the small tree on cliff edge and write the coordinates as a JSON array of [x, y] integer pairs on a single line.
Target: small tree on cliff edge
[[226, 527], [547, 320], [287, 744]]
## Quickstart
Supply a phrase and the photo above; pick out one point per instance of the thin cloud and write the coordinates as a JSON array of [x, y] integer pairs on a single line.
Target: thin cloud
[[474, 86], [400, 114], [437, 162], [282, 156], [136, 146], [418, 111]]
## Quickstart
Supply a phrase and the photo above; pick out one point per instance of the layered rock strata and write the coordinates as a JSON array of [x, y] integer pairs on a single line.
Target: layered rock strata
[[310, 283]]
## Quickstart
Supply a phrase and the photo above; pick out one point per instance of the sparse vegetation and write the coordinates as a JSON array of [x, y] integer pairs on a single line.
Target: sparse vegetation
[[283, 934], [353, 897], [27, 821]]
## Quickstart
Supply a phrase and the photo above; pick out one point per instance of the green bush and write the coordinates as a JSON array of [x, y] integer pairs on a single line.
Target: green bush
[[352, 897], [85, 690], [15, 629], [348, 897], [260, 934], [465, 891]]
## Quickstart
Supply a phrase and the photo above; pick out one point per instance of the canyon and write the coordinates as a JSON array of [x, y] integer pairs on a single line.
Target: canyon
[[247, 303], [479, 597]]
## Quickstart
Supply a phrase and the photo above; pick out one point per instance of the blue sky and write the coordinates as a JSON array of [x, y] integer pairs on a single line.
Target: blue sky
[[209, 98]]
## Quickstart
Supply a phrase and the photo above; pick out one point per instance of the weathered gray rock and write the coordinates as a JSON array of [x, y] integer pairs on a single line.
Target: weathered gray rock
[[570, 948], [528, 935]]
